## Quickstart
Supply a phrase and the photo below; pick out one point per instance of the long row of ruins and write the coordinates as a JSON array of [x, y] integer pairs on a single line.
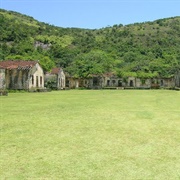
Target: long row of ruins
[[29, 75]]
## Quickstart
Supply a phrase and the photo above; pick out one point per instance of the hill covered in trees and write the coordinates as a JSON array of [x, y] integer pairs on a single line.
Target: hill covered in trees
[[143, 50]]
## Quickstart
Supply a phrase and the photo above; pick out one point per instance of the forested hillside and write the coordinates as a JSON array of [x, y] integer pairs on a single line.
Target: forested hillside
[[146, 49]]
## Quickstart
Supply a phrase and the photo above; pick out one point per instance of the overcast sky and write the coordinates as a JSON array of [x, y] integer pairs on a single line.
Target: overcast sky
[[94, 14]]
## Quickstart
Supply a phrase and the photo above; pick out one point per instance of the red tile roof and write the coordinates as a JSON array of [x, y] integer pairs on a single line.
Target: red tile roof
[[55, 70], [19, 64]]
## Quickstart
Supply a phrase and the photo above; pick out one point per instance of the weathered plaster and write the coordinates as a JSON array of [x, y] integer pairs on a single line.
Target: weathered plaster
[[2, 79], [36, 77]]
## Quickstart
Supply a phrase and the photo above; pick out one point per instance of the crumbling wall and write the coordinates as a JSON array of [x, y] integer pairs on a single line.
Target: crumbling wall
[[2, 79], [50, 81], [143, 83], [61, 80], [169, 82], [17, 79], [71, 82]]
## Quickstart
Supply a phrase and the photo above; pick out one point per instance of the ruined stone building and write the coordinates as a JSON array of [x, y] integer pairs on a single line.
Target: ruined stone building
[[112, 81], [73, 82], [29, 74], [55, 78], [21, 75]]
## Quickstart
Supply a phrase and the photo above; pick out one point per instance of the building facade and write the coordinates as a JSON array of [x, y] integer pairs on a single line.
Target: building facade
[[110, 80], [55, 79], [21, 75]]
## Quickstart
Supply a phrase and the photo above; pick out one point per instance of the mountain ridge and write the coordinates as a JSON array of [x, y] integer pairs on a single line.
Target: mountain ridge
[[145, 49]]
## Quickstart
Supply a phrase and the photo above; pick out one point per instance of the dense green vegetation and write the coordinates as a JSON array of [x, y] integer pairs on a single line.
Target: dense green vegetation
[[142, 49], [86, 134]]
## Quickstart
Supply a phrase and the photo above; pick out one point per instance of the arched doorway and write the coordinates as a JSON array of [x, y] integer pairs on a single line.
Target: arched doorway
[[162, 82], [131, 83], [120, 83]]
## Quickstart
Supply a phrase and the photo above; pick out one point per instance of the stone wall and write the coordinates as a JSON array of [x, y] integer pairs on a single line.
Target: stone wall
[[72, 82], [50, 80], [24, 78], [177, 79], [36, 77], [61, 81], [130, 82], [56, 81], [2, 79], [17, 79]]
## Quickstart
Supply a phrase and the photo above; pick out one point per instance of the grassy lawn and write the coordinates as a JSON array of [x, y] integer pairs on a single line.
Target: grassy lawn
[[90, 134]]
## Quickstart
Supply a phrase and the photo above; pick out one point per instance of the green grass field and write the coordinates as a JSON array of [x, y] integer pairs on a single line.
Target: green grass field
[[90, 134]]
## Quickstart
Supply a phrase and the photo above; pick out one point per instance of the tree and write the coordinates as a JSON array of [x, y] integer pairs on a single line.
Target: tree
[[94, 62], [46, 63]]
